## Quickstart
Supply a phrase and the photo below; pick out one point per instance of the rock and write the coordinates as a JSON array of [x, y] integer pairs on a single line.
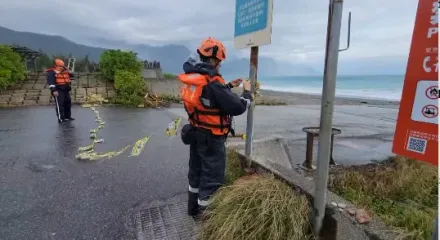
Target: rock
[[3, 104], [5, 98], [11, 103], [342, 205], [33, 91], [43, 102], [17, 99], [101, 90], [29, 102], [39, 86], [81, 91], [351, 211], [18, 95], [45, 92], [20, 91], [91, 91], [28, 86], [340, 209], [362, 216], [35, 97], [334, 204]]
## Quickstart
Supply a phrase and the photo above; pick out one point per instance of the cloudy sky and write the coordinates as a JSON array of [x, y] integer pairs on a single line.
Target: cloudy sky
[[381, 30]]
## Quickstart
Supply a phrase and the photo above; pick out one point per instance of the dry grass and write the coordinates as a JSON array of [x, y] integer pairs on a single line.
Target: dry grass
[[401, 192], [269, 101], [234, 170], [258, 207]]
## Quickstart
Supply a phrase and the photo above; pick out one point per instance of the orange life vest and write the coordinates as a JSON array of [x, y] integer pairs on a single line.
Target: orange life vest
[[199, 114], [61, 78]]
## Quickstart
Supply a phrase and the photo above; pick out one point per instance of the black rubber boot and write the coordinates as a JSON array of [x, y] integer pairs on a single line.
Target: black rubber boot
[[193, 206], [202, 214]]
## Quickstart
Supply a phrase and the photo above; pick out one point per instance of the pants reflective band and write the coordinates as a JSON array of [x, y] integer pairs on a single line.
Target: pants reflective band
[[203, 203], [193, 190]]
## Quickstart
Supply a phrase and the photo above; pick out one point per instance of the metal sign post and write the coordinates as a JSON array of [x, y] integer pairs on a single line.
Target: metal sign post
[[253, 28], [253, 69], [327, 104]]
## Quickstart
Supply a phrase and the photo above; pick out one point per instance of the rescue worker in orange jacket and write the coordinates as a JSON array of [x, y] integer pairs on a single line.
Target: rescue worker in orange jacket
[[210, 105], [59, 80]]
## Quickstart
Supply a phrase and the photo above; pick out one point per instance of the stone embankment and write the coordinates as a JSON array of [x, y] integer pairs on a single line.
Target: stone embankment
[[33, 90]]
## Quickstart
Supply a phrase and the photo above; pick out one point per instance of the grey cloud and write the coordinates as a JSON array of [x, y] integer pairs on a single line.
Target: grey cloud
[[380, 28]]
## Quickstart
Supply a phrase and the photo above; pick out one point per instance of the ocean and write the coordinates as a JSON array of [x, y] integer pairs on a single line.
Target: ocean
[[384, 87]]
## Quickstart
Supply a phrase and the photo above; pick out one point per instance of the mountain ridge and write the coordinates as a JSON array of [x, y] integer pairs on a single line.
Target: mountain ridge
[[171, 56]]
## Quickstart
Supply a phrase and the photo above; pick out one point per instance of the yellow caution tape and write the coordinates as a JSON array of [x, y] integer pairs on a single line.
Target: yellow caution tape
[[240, 135], [171, 130], [139, 146], [93, 156], [86, 148]]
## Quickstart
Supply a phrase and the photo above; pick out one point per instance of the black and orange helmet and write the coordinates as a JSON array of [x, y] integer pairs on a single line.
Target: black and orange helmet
[[211, 47]]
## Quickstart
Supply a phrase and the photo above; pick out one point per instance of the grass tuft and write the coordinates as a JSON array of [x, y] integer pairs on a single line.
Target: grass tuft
[[257, 207], [234, 170], [269, 101], [401, 192]]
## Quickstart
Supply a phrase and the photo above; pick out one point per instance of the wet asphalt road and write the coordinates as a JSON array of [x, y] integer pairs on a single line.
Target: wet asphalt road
[[45, 193]]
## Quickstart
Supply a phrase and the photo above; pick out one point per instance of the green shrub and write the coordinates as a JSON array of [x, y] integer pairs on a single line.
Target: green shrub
[[130, 88], [169, 75], [113, 60], [11, 67]]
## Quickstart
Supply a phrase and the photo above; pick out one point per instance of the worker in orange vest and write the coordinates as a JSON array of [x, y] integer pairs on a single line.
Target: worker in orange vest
[[210, 105], [59, 80]]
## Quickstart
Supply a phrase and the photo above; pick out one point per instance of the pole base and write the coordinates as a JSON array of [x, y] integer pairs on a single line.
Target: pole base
[[250, 170], [308, 166]]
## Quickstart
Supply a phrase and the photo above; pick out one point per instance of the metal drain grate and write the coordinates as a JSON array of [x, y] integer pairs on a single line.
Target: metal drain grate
[[166, 220]]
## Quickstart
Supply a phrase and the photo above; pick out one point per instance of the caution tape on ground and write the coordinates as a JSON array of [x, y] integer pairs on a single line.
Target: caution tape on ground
[[171, 130], [139, 146]]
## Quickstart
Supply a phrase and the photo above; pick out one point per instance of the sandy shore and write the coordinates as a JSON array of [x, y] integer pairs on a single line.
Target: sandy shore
[[305, 99], [171, 86]]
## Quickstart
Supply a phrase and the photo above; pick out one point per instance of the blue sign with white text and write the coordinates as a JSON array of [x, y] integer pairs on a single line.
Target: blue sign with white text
[[250, 16]]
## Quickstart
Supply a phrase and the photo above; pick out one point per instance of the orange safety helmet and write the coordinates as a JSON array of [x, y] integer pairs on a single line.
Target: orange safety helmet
[[211, 47], [59, 62]]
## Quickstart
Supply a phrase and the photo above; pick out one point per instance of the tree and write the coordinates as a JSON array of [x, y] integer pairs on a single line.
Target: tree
[[12, 67], [130, 88], [114, 60], [43, 61]]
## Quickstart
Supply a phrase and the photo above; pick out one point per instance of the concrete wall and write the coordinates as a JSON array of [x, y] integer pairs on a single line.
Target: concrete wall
[[155, 73], [163, 86]]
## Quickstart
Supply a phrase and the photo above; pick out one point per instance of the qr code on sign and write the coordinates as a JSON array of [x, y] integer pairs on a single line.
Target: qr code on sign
[[416, 145]]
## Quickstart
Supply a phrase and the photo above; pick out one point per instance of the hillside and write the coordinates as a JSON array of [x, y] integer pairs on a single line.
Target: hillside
[[170, 56]]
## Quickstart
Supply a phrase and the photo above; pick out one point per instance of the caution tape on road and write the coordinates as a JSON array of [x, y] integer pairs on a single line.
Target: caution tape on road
[[139, 146], [171, 130]]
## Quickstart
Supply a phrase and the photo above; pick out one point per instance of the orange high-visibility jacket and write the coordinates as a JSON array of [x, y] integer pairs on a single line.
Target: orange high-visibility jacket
[[61, 78], [197, 107]]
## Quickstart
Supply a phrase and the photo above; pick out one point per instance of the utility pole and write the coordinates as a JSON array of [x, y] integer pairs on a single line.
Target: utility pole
[[327, 105]]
